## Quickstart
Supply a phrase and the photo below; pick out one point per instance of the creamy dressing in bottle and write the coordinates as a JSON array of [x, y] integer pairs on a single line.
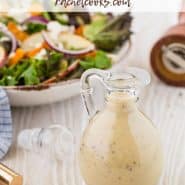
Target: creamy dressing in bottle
[[120, 146]]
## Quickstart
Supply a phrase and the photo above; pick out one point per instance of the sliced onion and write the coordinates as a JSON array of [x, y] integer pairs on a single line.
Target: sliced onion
[[36, 19], [5, 30], [53, 46]]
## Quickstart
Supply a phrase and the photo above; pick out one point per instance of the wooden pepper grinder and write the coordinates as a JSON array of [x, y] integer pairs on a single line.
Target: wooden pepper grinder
[[168, 54], [9, 177]]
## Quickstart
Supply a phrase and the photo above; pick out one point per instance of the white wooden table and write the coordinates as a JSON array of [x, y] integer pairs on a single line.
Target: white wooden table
[[163, 104]]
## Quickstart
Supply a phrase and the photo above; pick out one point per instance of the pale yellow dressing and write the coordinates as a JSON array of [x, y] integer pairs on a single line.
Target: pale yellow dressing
[[120, 146]]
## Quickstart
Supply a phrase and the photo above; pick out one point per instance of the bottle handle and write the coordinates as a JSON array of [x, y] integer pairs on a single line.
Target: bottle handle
[[87, 89]]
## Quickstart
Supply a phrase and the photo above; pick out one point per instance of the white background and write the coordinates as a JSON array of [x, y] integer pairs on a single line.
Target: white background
[[137, 6]]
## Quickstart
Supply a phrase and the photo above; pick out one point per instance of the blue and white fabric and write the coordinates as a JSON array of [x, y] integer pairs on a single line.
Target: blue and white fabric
[[5, 124]]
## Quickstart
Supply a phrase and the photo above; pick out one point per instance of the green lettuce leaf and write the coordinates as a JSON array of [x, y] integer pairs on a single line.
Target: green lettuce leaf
[[100, 61], [31, 71], [30, 76], [8, 80], [91, 30], [34, 27]]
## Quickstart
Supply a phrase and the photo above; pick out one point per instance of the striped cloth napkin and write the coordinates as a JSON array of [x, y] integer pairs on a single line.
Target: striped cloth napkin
[[5, 124]]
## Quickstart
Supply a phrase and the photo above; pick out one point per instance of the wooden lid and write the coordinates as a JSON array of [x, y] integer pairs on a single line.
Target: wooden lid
[[174, 35]]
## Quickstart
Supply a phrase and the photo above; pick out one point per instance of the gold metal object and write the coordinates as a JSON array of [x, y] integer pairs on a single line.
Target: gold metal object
[[9, 177]]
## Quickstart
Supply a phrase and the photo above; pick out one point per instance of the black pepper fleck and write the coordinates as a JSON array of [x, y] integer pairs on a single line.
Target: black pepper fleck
[[93, 147], [102, 157], [180, 94], [128, 167], [134, 162]]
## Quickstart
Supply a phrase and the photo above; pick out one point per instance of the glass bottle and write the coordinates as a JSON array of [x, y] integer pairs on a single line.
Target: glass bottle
[[120, 145]]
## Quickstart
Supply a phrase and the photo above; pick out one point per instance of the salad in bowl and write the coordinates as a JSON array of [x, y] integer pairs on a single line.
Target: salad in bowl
[[45, 51]]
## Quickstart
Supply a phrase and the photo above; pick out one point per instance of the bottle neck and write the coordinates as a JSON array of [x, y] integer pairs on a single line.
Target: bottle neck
[[121, 101]]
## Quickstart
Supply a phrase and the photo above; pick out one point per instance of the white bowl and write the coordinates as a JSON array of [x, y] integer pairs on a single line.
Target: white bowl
[[40, 95], [32, 96]]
